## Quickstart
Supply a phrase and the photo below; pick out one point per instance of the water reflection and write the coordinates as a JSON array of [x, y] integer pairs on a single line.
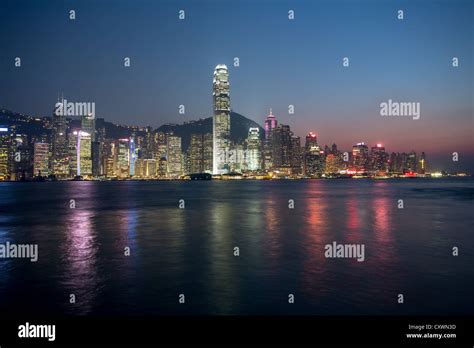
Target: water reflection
[[79, 251], [354, 224], [272, 230], [315, 237], [7, 198], [224, 281], [383, 256]]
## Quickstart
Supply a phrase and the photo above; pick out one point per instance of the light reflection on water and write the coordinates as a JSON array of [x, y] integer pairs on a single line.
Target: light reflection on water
[[191, 250]]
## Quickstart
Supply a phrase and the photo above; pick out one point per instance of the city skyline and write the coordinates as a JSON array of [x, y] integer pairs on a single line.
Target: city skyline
[[64, 150], [297, 62]]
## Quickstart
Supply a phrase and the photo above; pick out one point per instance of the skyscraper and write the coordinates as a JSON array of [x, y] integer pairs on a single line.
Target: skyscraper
[[21, 164], [88, 125], [296, 155], [313, 157], [80, 162], [360, 157], [41, 159], [281, 144], [60, 157], [207, 143], [196, 154], [333, 164], [422, 164], [4, 153], [175, 158], [411, 162], [270, 124], [253, 153], [221, 120], [133, 156], [378, 159], [200, 153], [123, 158]]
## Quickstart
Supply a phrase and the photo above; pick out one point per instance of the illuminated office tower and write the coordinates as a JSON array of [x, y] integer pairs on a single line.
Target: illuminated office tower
[[109, 158], [334, 164], [313, 157], [253, 158], [311, 142], [133, 156], [281, 146], [60, 154], [162, 167], [88, 125], [160, 148], [139, 168], [296, 158], [85, 153], [393, 163], [196, 154], [411, 162], [200, 153], [402, 162], [360, 157], [149, 169], [236, 158], [4, 153], [41, 159], [207, 144], [378, 159], [270, 124], [422, 164], [80, 158], [21, 164], [123, 158], [221, 120], [174, 158]]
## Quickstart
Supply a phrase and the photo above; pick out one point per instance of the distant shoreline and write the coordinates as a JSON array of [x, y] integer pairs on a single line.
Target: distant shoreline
[[243, 179]]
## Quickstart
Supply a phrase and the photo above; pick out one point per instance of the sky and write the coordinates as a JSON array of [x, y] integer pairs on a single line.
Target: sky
[[282, 62]]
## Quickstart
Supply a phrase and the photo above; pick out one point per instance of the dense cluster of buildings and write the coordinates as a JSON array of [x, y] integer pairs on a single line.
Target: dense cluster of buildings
[[82, 149]]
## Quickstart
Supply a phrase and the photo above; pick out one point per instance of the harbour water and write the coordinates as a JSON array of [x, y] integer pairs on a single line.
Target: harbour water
[[191, 251]]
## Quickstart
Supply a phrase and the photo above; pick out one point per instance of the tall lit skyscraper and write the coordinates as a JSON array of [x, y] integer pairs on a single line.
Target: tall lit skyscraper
[[80, 162], [88, 125], [296, 155], [411, 163], [360, 157], [133, 156], [41, 159], [253, 157], [281, 144], [20, 155], [422, 164], [175, 158], [59, 158], [123, 158], [378, 159], [313, 157], [196, 154], [4, 153], [270, 124], [207, 144], [333, 165], [221, 120]]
